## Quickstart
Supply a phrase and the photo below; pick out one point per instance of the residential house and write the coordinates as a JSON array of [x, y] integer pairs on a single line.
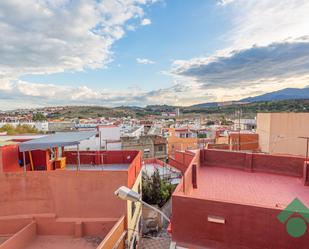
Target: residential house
[[181, 139], [152, 146]]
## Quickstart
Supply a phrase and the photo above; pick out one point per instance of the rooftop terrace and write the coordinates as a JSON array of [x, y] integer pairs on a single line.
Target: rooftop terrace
[[232, 199], [257, 189]]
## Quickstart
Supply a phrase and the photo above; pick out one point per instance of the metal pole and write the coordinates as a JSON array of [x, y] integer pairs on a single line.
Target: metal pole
[[78, 158], [24, 159]]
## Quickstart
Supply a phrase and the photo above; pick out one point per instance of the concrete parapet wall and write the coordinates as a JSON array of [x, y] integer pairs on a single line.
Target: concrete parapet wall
[[279, 164], [82, 194], [116, 236], [244, 226], [22, 238]]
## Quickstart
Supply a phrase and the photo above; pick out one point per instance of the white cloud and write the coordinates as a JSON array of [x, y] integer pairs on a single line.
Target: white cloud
[[245, 67], [36, 95], [262, 22], [225, 2], [268, 50], [131, 27], [145, 22], [50, 36], [55, 36], [144, 61]]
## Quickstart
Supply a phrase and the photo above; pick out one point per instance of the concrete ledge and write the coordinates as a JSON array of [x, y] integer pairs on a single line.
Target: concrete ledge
[[22, 238], [115, 237]]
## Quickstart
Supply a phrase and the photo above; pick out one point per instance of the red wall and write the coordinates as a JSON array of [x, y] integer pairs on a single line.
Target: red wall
[[247, 141], [40, 158], [186, 166], [95, 157], [86, 194], [182, 160], [134, 169], [218, 146], [154, 161], [286, 165], [245, 226], [110, 157], [9, 156]]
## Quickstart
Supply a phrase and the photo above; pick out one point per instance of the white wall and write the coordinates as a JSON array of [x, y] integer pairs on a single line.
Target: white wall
[[109, 136], [109, 132], [280, 132]]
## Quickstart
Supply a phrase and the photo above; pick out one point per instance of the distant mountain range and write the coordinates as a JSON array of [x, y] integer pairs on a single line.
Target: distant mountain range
[[284, 94]]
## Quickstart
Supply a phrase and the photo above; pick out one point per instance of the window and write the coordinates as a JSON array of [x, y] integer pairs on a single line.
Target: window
[[160, 148], [146, 150]]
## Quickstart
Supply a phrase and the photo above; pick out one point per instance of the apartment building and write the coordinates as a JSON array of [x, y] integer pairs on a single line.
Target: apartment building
[[280, 133], [152, 146], [181, 139]]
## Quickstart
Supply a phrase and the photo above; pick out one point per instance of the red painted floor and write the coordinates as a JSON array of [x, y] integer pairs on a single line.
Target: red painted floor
[[259, 189], [61, 242]]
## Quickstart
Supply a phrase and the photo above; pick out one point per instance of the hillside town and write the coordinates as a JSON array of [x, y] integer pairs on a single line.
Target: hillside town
[[59, 180], [154, 124]]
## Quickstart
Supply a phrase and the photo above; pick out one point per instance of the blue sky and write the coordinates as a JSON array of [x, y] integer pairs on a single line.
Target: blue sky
[[139, 52], [177, 31]]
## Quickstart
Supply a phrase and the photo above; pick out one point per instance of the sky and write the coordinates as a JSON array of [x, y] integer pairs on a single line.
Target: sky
[[141, 52]]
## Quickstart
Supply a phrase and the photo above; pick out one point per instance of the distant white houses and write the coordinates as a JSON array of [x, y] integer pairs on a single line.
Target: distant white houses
[[133, 131], [244, 124]]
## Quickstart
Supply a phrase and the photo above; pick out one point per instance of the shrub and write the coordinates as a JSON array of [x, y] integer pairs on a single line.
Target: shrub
[[19, 129], [156, 191]]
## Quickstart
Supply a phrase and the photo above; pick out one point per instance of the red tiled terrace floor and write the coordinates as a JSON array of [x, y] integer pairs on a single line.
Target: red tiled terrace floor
[[258, 189], [61, 242]]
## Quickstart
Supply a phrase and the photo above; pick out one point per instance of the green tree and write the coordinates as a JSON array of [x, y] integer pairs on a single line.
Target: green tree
[[38, 117], [19, 129], [25, 129], [156, 191], [8, 128]]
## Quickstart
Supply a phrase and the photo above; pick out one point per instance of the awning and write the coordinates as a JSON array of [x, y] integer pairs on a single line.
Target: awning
[[56, 140]]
